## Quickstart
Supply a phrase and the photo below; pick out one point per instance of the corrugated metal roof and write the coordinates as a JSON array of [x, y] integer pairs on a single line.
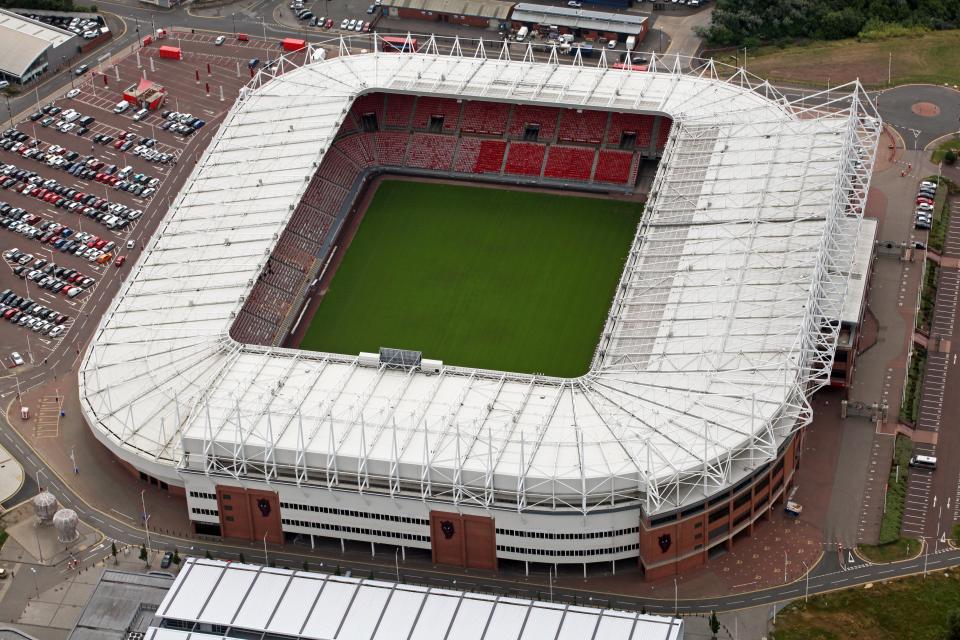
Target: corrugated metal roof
[[24, 40], [629, 23], [317, 606], [491, 9]]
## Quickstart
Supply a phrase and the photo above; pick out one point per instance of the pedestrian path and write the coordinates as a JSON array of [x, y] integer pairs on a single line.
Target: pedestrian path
[[47, 421]]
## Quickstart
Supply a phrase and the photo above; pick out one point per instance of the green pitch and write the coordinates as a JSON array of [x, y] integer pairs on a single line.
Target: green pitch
[[489, 278]]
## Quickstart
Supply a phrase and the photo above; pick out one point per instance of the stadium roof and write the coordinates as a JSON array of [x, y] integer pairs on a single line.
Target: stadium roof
[[24, 40], [723, 323], [242, 600]]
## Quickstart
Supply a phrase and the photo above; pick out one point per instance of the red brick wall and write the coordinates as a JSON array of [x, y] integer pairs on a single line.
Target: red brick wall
[[473, 544], [241, 515]]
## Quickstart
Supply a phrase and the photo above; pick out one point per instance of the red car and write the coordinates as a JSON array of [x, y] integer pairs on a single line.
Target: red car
[[99, 244], [922, 200], [119, 261], [118, 143]]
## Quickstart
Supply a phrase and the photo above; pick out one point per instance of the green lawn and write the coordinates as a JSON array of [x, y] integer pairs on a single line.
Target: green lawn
[[478, 277], [899, 549], [927, 58], [897, 482], [912, 608]]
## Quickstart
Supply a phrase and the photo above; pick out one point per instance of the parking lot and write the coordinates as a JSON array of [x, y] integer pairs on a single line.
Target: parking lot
[[83, 187]]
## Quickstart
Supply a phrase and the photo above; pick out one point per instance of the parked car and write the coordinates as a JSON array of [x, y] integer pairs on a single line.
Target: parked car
[[82, 69], [16, 358], [220, 40]]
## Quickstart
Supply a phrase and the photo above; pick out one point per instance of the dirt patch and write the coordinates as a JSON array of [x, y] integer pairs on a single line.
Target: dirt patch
[[925, 109]]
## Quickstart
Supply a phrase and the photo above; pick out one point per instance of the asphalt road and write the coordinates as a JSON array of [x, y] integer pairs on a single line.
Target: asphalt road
[[829, 574]]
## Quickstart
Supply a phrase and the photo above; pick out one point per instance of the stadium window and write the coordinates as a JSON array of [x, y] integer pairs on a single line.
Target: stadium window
[[531, 132], [436, 124], [628, 140], [717, 514], [368, 122]]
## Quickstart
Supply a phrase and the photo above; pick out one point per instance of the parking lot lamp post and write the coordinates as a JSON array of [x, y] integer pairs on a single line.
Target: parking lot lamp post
[[396, 563], [233, 17], [676, 598], [806, 593], [9, 110], [264, 25], [266, 557], [146, 519]]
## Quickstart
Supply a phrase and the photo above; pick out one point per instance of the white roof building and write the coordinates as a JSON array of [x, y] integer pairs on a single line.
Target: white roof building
[[724, 322], [214, 599], [25, 42]]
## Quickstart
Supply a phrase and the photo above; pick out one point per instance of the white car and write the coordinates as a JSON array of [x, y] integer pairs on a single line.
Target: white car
[[66, 127], [358, 26], [16, 359], [574, 3], [56, 331], [220, 40], [73, 93], [345, 24]]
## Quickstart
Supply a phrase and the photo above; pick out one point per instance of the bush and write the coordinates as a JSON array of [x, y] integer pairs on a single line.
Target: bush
[[950, 157], [896, 490], [879, 30]]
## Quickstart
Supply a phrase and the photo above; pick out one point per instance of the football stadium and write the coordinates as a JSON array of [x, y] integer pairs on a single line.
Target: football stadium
[[490, 308]]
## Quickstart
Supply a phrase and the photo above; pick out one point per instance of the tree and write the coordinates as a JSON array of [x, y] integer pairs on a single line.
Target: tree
[[306, 565], [950, 157], [242, 559], [113, 552], [953, 625], [207, 555], [714, 623], [143, 553], [337, 572], [176, 557]]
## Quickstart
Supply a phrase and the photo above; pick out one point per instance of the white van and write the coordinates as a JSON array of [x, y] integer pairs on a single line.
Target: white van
[[122, 106], [522, 33], [925, 462]]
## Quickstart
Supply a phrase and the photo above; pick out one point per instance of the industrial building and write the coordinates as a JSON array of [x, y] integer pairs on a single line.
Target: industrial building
[[214, 599], [685, 433], [31, 47], [583, 24], [484, 14]]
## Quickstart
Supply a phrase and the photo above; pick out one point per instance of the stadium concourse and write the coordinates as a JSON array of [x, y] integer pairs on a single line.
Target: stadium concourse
[[684, 433]]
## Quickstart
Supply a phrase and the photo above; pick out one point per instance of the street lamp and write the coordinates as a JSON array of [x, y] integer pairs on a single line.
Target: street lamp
[[146, 519], [233, 17], [396, 562], [266, 556], [806, 593], [676, 598]]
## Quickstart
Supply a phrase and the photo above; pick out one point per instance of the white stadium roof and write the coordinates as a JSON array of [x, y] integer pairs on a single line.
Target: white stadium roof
[[722, 325], [242, 600]]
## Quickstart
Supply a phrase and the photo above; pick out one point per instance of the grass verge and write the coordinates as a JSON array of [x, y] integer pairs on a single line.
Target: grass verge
[[951, 144], [899, 549], [896, 491], [928, 295], [915, 608], [489, 278], [941, 207], [911, 397], [927, 58]]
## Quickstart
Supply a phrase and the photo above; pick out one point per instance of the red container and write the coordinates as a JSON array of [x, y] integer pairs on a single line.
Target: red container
[[172, 53], [242, 37], [293, 44], [148, 40]]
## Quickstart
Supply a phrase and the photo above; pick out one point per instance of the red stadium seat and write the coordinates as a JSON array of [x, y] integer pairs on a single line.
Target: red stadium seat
[[487, 118], [490, 156], [525, 158], [569, 163], [613, 166], [399, 111], [429, 107], [527, 115], [583, 126], [429, 151]]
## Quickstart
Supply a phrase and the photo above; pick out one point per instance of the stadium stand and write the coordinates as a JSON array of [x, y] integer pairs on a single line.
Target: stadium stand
[[525, 158], [583, 126], [428, 151], [569, 163], [486, 118], [490, 156], [429, 108], [399, 111], [391, 147], [466, 155], [526, 117], [625, 123], [369, 103], [613, 166], [665, 125]]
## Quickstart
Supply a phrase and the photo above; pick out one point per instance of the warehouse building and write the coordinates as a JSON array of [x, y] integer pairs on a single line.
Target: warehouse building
[[31, 47], [592, 26], [215, 599], [484, 14]]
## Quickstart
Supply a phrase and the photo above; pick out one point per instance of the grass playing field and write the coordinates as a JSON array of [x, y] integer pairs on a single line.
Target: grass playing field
[[478, 277]]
